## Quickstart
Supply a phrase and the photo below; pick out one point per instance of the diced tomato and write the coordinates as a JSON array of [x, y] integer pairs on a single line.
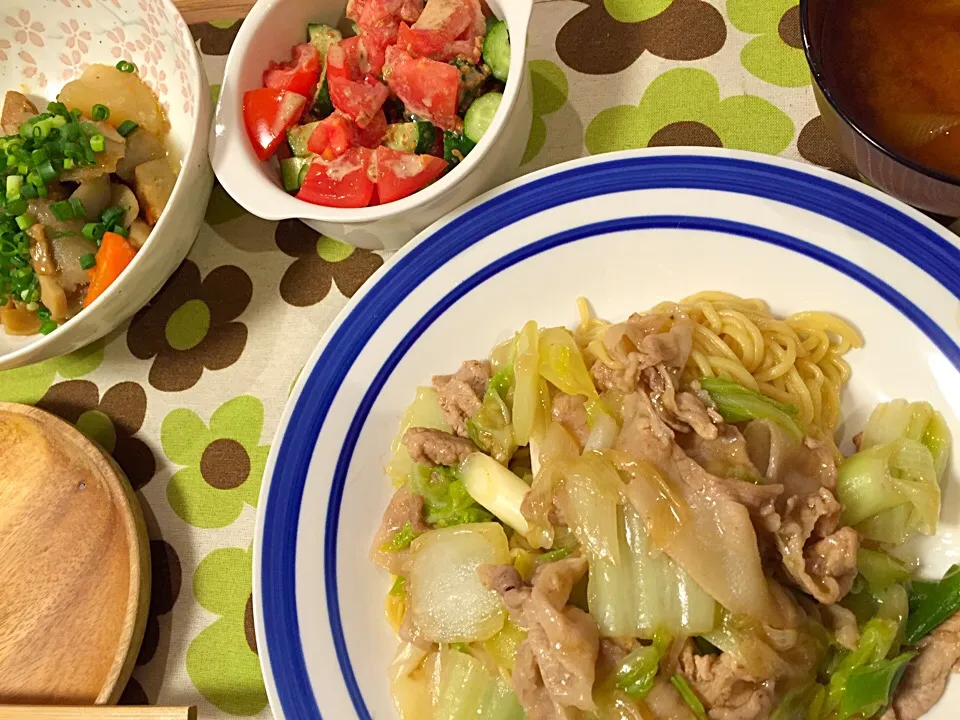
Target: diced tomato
[[373, 134], [360, 100], [343, 59], [420, 43], [428, 88], [374, 42], [410, 10], [344, 182], [446, 30], [379, 12], [355, 9], [267, 114], [448, 17], [300, 75], [400, 174], [333, 137]]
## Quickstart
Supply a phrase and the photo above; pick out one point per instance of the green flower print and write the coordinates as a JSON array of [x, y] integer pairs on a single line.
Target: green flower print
[[634, 11], [683, 107], [222, 660], [776, 54], [28, 384], [223, 463], [550, 89]]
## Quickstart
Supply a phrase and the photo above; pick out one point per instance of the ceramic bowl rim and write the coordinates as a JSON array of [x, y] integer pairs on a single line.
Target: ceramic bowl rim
[[816, 70]]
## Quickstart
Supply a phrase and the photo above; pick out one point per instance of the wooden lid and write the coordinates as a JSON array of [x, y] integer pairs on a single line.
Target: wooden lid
[[74, 565]]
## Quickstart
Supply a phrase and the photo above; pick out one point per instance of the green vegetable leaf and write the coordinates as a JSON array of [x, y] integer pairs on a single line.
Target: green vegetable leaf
[[881, 570], [401, 539], [554, 555], [399, 588], [875, 642], [870, 688], [801, 703], [445, 500], [931, 603], [490, 427], [637, 671], [689, 696], [736, 403]]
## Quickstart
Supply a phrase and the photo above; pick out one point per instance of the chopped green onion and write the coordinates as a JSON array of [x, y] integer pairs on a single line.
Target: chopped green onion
[[24, 221], [16, 207], [43, 313], [93, 231], [62, 210], [29, 192], [46, 171], [100, 112], [38, 156], [68, 163], [35, 179], [42, 191], [554, 555], [78, 210], [47, 327], [127, 67], [931, 603], [97, 143], [71, 132], [689, 696], [120, 230], [112, 214], [739, 404], [126, 127], [14, 184], [88, 261]]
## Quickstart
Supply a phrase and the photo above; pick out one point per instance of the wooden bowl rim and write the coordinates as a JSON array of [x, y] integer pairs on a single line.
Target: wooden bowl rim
[[122, 495]]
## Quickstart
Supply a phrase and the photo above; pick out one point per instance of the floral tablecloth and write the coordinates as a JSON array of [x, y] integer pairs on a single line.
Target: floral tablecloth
[[188, 394]]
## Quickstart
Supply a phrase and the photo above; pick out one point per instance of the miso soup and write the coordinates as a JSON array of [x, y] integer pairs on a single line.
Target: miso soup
[[893, 66]]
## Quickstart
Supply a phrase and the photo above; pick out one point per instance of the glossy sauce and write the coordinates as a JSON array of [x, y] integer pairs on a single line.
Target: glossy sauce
[[894, 68]]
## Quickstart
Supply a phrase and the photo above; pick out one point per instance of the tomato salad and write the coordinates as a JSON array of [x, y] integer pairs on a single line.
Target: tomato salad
[[375, 117]]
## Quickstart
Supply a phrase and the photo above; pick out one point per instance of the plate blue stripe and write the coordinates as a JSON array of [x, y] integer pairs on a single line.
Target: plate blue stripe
[[917, 243]]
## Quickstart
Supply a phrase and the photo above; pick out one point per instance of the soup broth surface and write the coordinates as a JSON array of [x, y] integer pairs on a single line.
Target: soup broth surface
[[894, 66]]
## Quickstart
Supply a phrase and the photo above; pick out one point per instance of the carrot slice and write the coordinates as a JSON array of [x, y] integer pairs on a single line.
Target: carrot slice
[[114, 255]]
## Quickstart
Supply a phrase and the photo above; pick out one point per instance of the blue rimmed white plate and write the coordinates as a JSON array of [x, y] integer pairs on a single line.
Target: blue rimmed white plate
[[626, 231]]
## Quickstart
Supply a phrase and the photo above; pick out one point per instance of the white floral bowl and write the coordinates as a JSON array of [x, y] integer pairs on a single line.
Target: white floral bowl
[[46, 43]]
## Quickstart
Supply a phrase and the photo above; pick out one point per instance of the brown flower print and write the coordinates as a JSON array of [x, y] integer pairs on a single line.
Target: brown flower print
[[815, 145], [112, 420], [4, 45], [191, 326], [166, 580], [596, 43], [166, 577], [27, 29], [319, 263], [215, 39]]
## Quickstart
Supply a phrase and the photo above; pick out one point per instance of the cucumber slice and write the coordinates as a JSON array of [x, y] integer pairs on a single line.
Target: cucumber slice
[[322, 104], [322, 37], [480, 115], [412, 137], [496, 51], [297, 137], [293, 170], [456, 147], [472, 80]]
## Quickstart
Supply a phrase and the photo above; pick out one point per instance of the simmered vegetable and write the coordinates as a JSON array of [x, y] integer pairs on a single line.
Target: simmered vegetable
[[77, 180]]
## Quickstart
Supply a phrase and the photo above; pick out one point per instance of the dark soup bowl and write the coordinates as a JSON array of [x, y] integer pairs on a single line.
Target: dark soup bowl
[[878, 161]]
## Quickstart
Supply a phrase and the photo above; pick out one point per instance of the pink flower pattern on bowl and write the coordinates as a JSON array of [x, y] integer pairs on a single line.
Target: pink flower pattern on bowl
[[47, 45], [26, 29]]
